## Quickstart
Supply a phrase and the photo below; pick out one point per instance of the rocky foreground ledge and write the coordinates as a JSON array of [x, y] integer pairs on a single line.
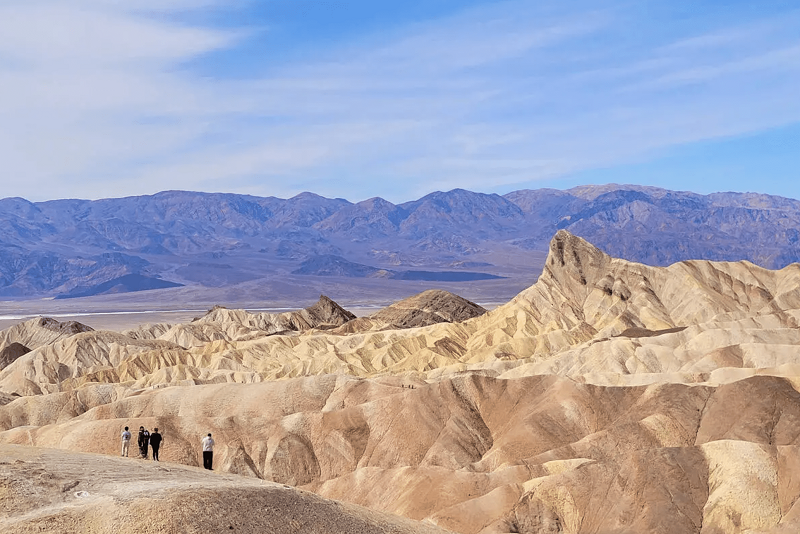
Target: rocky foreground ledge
[[46, 490]]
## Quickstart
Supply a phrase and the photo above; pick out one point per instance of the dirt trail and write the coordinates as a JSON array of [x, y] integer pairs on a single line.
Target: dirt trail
[[45, 490]]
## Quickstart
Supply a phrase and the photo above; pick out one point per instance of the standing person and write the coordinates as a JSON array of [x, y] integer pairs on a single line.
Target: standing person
[[208, 451], [155, 442], [126, 441], [144, 441]]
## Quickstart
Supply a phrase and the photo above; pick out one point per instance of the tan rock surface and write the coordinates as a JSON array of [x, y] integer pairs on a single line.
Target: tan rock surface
[[54, 491], [40, 331], [591, 317], [325, 313], [608, 397], [474, 453]]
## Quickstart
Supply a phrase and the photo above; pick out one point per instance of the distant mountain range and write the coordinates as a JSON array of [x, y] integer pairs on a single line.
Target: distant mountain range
[[72, 248]]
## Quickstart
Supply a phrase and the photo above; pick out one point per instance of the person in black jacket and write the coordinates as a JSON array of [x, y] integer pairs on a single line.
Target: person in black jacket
[[144, 441], [155, 442]]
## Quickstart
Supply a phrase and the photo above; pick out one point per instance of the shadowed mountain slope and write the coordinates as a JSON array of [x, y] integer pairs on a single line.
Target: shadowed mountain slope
[[79, 247], [124, 284], [9, 353], [330, 265]]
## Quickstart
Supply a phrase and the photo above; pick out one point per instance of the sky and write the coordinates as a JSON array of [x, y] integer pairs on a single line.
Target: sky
[[355, 99]]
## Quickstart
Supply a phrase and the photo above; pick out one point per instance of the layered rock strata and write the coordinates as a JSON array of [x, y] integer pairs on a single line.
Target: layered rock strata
[[608, 397]]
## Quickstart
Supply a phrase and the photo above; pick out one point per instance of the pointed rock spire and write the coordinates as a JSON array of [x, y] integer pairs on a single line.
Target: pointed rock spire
[[574, 261]]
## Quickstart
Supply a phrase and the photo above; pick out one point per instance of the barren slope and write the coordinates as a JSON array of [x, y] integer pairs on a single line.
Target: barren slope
[[474, 453], [608, 397], [584, 318], [54, 491]]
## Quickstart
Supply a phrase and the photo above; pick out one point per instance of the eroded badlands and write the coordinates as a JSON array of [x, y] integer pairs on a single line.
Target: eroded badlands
[[608, 397]]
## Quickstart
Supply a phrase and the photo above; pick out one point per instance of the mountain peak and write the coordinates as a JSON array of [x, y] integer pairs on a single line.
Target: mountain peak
[[566, 247], [313, 197], [325, 310], [574, 261]]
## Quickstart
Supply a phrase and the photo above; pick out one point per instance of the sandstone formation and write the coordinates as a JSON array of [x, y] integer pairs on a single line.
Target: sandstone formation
[[221, 323], [608, 397], [40, 331], [424, 309], [324, 314], [716, 322], [427, 308]]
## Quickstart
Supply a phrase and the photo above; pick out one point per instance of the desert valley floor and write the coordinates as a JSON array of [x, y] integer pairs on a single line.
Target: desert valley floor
[[608, 397]]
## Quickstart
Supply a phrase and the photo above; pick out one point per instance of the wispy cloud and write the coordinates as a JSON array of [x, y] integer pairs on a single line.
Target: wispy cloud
[[97, 99]]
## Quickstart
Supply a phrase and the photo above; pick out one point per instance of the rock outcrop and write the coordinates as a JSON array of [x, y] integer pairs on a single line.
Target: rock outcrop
[[324, 314], [40, 331], [11, 352], [424, 309], [427, 308]]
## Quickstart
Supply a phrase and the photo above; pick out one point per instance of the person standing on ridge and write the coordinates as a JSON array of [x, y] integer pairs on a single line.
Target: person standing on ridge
[[126, 441], [144, 441], [208, 451], [155, 442]]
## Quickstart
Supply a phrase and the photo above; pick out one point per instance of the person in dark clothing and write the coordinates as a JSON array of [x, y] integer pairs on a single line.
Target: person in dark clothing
[[155, 442], [144, 441]]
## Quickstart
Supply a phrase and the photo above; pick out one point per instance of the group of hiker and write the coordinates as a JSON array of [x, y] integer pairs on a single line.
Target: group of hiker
[[145, 439], [154, 439]]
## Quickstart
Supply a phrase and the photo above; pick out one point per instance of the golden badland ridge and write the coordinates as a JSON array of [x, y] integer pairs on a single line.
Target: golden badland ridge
[[608, 397]]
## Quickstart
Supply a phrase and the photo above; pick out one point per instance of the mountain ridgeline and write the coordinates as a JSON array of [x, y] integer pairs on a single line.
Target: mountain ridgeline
[[72, 248]]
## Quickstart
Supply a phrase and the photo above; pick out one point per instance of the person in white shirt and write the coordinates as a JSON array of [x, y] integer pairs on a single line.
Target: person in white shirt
[[208, 451], [126, 441]]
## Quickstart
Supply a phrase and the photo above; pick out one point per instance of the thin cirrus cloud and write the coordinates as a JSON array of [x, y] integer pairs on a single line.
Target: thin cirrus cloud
[[101, 99]]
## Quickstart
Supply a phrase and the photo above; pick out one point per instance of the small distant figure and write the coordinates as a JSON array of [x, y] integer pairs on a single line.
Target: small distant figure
[[208, 451], [126, 441], [155, 443], [144, 441]]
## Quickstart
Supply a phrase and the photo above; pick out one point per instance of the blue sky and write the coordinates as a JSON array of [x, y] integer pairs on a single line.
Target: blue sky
[[356, 99]]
